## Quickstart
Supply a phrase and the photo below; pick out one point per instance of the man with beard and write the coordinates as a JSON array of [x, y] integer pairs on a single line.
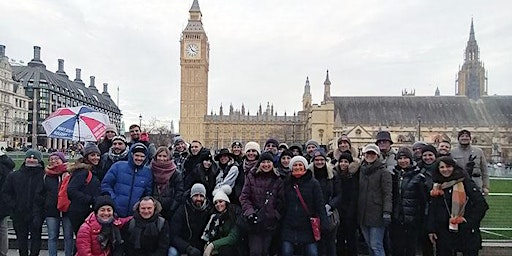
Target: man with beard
[[179, 152], [443, 149], [118, 152], [188, 223], [472, 159]]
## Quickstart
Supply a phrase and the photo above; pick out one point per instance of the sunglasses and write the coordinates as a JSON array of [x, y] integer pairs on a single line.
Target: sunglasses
[[218, 202]]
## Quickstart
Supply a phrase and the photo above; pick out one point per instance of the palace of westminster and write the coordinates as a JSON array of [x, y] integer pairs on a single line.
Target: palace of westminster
[[29, 93], [408, 118]]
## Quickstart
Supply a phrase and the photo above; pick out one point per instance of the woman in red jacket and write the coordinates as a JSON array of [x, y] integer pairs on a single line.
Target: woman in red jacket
[[100, 234]]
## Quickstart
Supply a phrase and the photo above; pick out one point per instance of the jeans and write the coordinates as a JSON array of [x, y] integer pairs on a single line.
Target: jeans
[[374, 237], [4, 239], [53, 224], [309, 249]]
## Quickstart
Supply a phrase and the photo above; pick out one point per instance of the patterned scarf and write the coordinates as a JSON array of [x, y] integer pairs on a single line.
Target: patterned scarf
[[162, 172], [116, 157], [211, 232], [459, 199], [249, 165], [55, 171]]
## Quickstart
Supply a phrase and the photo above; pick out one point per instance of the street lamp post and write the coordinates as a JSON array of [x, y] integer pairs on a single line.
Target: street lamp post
[[140, 122], [419, 128]]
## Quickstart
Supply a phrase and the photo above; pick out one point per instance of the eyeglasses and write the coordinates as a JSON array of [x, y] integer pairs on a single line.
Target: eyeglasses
[[110, 132], [270, 145]]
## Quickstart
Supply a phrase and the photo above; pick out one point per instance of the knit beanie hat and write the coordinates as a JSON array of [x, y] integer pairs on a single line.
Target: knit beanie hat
[[429, 148], [33, 153], [206, 156], [236, 143], [111, 128], [299, 159], [286, 152], [102, 201], [418, 144], [345, 138], [347, 157], [197, 189], [120, 138], [139, 147], [222, 193], [90, 148], [273, 141], [265, 156], [319, 152], [283, 146], [404, 152], [371, 147], [59, 155], [252, 145], [312, 142]]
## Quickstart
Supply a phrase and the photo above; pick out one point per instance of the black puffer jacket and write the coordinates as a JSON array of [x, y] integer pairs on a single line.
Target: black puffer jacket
[[51, 188], [329, 182], [296, 227], [349, 186], [409, 197], [203, 176], [172, 196]]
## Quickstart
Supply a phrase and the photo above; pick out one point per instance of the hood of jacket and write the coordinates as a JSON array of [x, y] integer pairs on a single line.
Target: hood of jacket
[[130, 155], [79, 164]]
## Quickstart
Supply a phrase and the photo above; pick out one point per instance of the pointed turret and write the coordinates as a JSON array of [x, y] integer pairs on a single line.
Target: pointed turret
[[327, 89], [472, 79], [194, 22], [243, 109], [438, 93], [220, 111], [306, 97]]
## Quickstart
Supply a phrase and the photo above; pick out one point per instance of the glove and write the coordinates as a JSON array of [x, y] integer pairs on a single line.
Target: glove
[[470, 164], [386, 216], [252, 219], [192, 251], [328, 209], [208, 249]]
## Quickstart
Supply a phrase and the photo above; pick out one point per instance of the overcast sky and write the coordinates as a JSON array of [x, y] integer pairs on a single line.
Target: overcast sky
[[262, 51]]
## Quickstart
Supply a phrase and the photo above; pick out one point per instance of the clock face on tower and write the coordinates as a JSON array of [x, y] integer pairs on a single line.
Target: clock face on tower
[[192, 50]]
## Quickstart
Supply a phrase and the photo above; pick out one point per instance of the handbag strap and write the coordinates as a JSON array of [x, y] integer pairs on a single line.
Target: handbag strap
[[296, 187]]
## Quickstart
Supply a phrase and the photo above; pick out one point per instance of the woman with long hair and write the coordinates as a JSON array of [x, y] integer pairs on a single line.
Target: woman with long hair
[[456, 209]]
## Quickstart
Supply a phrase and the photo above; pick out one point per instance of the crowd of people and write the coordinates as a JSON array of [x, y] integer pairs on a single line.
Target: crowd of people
[[133, 198]]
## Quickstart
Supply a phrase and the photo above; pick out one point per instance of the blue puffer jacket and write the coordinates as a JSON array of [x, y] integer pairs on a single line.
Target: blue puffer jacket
[[127, 183]]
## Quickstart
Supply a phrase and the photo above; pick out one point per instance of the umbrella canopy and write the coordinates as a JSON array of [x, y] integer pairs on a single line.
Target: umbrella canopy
[[76, 123]]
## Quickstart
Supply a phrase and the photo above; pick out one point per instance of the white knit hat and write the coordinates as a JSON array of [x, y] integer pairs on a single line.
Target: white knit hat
[[299, 159], [252, 145], [222, 193]]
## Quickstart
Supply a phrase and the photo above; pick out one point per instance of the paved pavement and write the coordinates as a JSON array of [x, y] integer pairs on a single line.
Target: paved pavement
[[13, 252]]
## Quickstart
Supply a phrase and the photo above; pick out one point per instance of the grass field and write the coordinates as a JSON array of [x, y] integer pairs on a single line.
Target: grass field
[[499, 214]]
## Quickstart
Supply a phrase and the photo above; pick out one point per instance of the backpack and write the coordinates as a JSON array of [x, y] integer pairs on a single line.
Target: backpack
[[63, 201]]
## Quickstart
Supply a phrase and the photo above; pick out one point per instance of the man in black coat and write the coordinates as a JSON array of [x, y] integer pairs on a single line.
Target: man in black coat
[[189, 222], [6, 167], [23, 193]]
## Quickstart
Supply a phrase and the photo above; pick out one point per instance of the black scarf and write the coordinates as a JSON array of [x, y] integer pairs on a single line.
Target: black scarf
[[143, 227], [110, 234]]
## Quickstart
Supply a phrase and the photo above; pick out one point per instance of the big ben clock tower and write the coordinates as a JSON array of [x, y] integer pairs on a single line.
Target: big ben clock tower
[[194, 61]]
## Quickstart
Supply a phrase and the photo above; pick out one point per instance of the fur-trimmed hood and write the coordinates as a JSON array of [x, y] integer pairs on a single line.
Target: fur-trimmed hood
[[79, 164], [337, 153]]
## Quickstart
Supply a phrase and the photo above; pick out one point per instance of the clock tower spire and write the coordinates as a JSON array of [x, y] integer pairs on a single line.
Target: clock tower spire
[[194, 61]]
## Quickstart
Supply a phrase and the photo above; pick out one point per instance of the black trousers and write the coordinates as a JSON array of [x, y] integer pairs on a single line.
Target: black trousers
[[404, 239], [347, 238], [23, 230]]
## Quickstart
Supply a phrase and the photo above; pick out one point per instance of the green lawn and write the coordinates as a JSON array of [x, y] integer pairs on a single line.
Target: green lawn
[[499, 214]]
